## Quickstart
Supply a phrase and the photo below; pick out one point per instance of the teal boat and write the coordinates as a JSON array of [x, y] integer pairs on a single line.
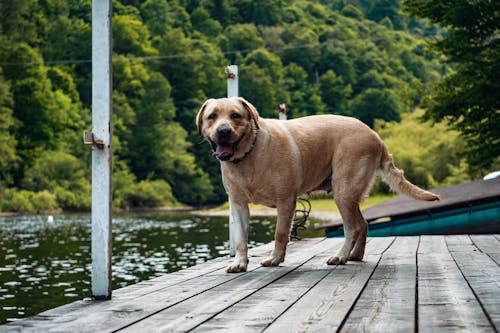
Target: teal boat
[[472, 208]]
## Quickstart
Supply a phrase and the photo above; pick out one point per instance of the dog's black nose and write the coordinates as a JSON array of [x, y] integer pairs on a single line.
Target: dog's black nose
[[224, 131]]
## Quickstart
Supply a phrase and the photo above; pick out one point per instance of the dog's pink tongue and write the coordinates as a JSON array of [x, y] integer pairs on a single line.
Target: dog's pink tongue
[[223, 150]]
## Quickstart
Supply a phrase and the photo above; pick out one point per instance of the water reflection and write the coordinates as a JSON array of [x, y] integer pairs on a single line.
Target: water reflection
[[44, 265]]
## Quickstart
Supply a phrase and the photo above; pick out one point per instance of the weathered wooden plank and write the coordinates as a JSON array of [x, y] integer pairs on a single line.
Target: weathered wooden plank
[[458, 289], [488, 244], [166, 280], [107, 316], [325, 305], [445, 301], [482, 274], [257, 311], [133, 291], [459, 243], [194, 311], [387, 304], [378, 245]]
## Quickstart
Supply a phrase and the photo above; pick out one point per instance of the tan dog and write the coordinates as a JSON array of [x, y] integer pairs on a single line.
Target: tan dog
[[272, 162]]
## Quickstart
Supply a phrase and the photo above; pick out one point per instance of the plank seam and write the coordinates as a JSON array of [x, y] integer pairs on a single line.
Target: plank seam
[[299, 298], [201, 292], [364, 287], [306, 292], [471, 288], [247, 296], [219, 265], [486, 253]]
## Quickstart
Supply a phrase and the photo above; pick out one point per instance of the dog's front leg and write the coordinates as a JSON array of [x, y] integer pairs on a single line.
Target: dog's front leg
[[238, 220], [282, 234]]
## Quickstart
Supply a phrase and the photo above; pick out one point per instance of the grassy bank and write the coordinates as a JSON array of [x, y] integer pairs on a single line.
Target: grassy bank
[[322, 204]]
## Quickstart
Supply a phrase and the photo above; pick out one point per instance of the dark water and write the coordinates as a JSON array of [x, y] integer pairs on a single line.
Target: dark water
[[44, 265]]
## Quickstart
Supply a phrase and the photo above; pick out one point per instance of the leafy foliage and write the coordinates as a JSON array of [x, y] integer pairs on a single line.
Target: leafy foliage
[[149, 194], [468, 98], [7, 140], [428, 153], [354, 57], [62, 174], [28, 201]]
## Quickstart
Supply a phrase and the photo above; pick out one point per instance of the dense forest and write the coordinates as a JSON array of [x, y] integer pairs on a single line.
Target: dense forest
[[360, 58]]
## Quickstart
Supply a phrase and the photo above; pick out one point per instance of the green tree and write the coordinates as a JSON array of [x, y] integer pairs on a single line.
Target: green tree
[[14, 22], [131, 36], [378, 10], [43, 112], [195, 71], [267, 61], [261, 12], [305, 98], [374, 104], [428, 153], [148, 139], [352, 11], [161, 16], [69, 36], [337, 59], [223, 11], [63, 175], [256, 85], [169, 57], [469, 98], [334, 92], [201, 21], [243, 38], [8, 153], [304, 47]]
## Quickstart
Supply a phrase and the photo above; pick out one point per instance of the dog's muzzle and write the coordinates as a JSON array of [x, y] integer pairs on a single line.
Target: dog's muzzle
[[223, 147]]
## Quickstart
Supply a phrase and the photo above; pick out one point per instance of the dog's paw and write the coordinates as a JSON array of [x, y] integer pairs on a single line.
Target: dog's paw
[[336, 260], [272, 261], [237, 266]]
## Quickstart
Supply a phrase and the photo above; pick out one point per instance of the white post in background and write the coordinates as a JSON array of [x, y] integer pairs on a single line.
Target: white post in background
[[282, 111], [232, 81], [232, 91], [101, 148]]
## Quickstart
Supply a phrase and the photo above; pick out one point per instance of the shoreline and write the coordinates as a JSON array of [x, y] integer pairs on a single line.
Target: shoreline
[[317, 214]]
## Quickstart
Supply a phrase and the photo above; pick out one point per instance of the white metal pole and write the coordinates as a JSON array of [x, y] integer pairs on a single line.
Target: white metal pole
[[282, 111], [232, 81], [101, 149], [232, 91]]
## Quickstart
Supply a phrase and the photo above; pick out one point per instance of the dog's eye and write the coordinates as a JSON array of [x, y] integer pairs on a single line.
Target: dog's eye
[[235, 115], [212, 116]]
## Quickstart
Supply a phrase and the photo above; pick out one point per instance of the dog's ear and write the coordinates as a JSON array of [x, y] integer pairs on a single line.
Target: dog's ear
[[252, 111], [199, 116]]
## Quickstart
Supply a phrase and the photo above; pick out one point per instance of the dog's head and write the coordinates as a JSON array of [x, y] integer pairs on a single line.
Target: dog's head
[[229, 125]]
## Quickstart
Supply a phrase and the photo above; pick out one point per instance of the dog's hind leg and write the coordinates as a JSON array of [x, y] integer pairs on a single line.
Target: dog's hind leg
[[352, 230], [358, 251], [350, 186], [282, 234]]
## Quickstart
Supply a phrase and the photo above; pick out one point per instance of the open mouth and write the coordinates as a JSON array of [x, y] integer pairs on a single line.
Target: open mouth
[[223, 151]]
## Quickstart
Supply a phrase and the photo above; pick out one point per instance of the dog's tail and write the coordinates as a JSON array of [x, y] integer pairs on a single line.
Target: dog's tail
[[394, 177]]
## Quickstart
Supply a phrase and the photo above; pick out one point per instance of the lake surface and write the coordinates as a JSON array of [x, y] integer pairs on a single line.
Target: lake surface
[[47, 264]]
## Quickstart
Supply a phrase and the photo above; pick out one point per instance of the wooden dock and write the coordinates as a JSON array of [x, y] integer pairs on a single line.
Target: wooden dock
[[405, 284]]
